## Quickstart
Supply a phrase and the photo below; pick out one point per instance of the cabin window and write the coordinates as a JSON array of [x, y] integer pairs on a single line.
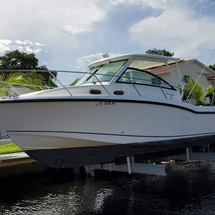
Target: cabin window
[[135, 76], [102, 73]]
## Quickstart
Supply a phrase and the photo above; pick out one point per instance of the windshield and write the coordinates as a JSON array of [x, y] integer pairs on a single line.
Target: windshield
[[103, 73]]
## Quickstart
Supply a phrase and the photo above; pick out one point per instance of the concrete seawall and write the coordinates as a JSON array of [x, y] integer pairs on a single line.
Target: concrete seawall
[[17, 163]]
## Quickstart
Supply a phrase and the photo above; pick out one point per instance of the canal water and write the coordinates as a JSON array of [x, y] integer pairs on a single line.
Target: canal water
[[188, 188]]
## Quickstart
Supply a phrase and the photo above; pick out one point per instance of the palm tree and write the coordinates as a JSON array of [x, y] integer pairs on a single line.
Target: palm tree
[[33, 81], [30, 80]]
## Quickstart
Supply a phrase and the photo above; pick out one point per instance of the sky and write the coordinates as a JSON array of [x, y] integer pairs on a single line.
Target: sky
[[69, 34]]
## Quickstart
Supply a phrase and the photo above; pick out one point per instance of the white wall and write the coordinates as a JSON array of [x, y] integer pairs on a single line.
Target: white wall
[[3, 135], [191, 69]]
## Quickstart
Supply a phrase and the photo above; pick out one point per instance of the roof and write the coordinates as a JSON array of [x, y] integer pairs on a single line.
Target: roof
[[172, 66], [20, 90], [155, 60]]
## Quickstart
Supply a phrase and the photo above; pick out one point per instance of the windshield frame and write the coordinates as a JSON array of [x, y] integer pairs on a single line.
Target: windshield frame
[[102, 73]]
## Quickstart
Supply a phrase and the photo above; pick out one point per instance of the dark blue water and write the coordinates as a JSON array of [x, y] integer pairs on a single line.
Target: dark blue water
[[186, 189]]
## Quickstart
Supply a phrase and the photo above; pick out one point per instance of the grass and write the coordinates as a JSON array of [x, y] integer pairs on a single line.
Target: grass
[[9, 148]]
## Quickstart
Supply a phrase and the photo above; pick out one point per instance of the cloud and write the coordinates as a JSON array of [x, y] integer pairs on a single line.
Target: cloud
[[182, 31], [111, 33], [24, 43], [74, 30], [4, 45], [83, 61], [60, 32], [56, 24], [24, 46]]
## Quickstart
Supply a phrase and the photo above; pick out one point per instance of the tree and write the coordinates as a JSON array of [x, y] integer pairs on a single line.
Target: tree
[[163, 52], [194, 91], [5, 82], [16, 60], [210, 92], [212, 67]]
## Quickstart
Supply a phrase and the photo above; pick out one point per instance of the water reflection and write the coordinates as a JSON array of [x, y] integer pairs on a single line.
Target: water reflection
[[187, 189]]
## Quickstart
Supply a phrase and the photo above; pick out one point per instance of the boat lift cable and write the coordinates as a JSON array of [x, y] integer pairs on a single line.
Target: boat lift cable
[[173, 76], [213, 94], [200, 75], [212, 100]]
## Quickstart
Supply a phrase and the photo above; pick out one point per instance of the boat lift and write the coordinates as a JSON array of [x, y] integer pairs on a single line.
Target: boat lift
[[152, 168], [130, 167], [205, 155]]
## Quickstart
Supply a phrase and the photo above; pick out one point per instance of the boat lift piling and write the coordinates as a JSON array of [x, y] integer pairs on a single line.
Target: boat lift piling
[[188, 153]]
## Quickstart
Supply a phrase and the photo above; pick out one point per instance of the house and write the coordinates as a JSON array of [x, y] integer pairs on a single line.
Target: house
[[3, 135], [178, 74]]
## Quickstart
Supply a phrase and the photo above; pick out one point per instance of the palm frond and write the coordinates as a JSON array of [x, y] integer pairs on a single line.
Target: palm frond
[[194, 91]]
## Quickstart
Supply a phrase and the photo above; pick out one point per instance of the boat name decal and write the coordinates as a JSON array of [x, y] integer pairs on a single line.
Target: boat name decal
[[105, 103]]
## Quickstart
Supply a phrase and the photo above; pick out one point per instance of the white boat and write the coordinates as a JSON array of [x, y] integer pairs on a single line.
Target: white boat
[[117, 109]]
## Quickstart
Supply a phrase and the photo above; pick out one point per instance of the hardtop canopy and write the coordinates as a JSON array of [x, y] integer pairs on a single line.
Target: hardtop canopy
[[141, 61]]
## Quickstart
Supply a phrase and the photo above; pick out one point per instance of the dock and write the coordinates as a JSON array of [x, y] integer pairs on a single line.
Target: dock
[[14, 159], [17, 163]]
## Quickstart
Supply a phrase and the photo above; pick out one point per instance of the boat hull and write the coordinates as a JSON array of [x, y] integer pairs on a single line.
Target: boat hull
[[83, 156], [40, 126]]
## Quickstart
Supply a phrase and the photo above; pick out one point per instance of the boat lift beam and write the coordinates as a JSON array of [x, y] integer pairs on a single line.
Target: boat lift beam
[[204, 155], [197, 156], [129, 167]]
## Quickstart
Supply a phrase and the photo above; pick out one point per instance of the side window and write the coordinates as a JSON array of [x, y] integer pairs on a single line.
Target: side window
[[135, 76]]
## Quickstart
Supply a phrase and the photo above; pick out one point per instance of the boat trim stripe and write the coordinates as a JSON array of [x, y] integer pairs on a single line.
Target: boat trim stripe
[[72, 99], [109, 134]]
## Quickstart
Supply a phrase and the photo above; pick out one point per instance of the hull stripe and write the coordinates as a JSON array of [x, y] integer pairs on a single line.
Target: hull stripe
[[72, 99], [110, 134]]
